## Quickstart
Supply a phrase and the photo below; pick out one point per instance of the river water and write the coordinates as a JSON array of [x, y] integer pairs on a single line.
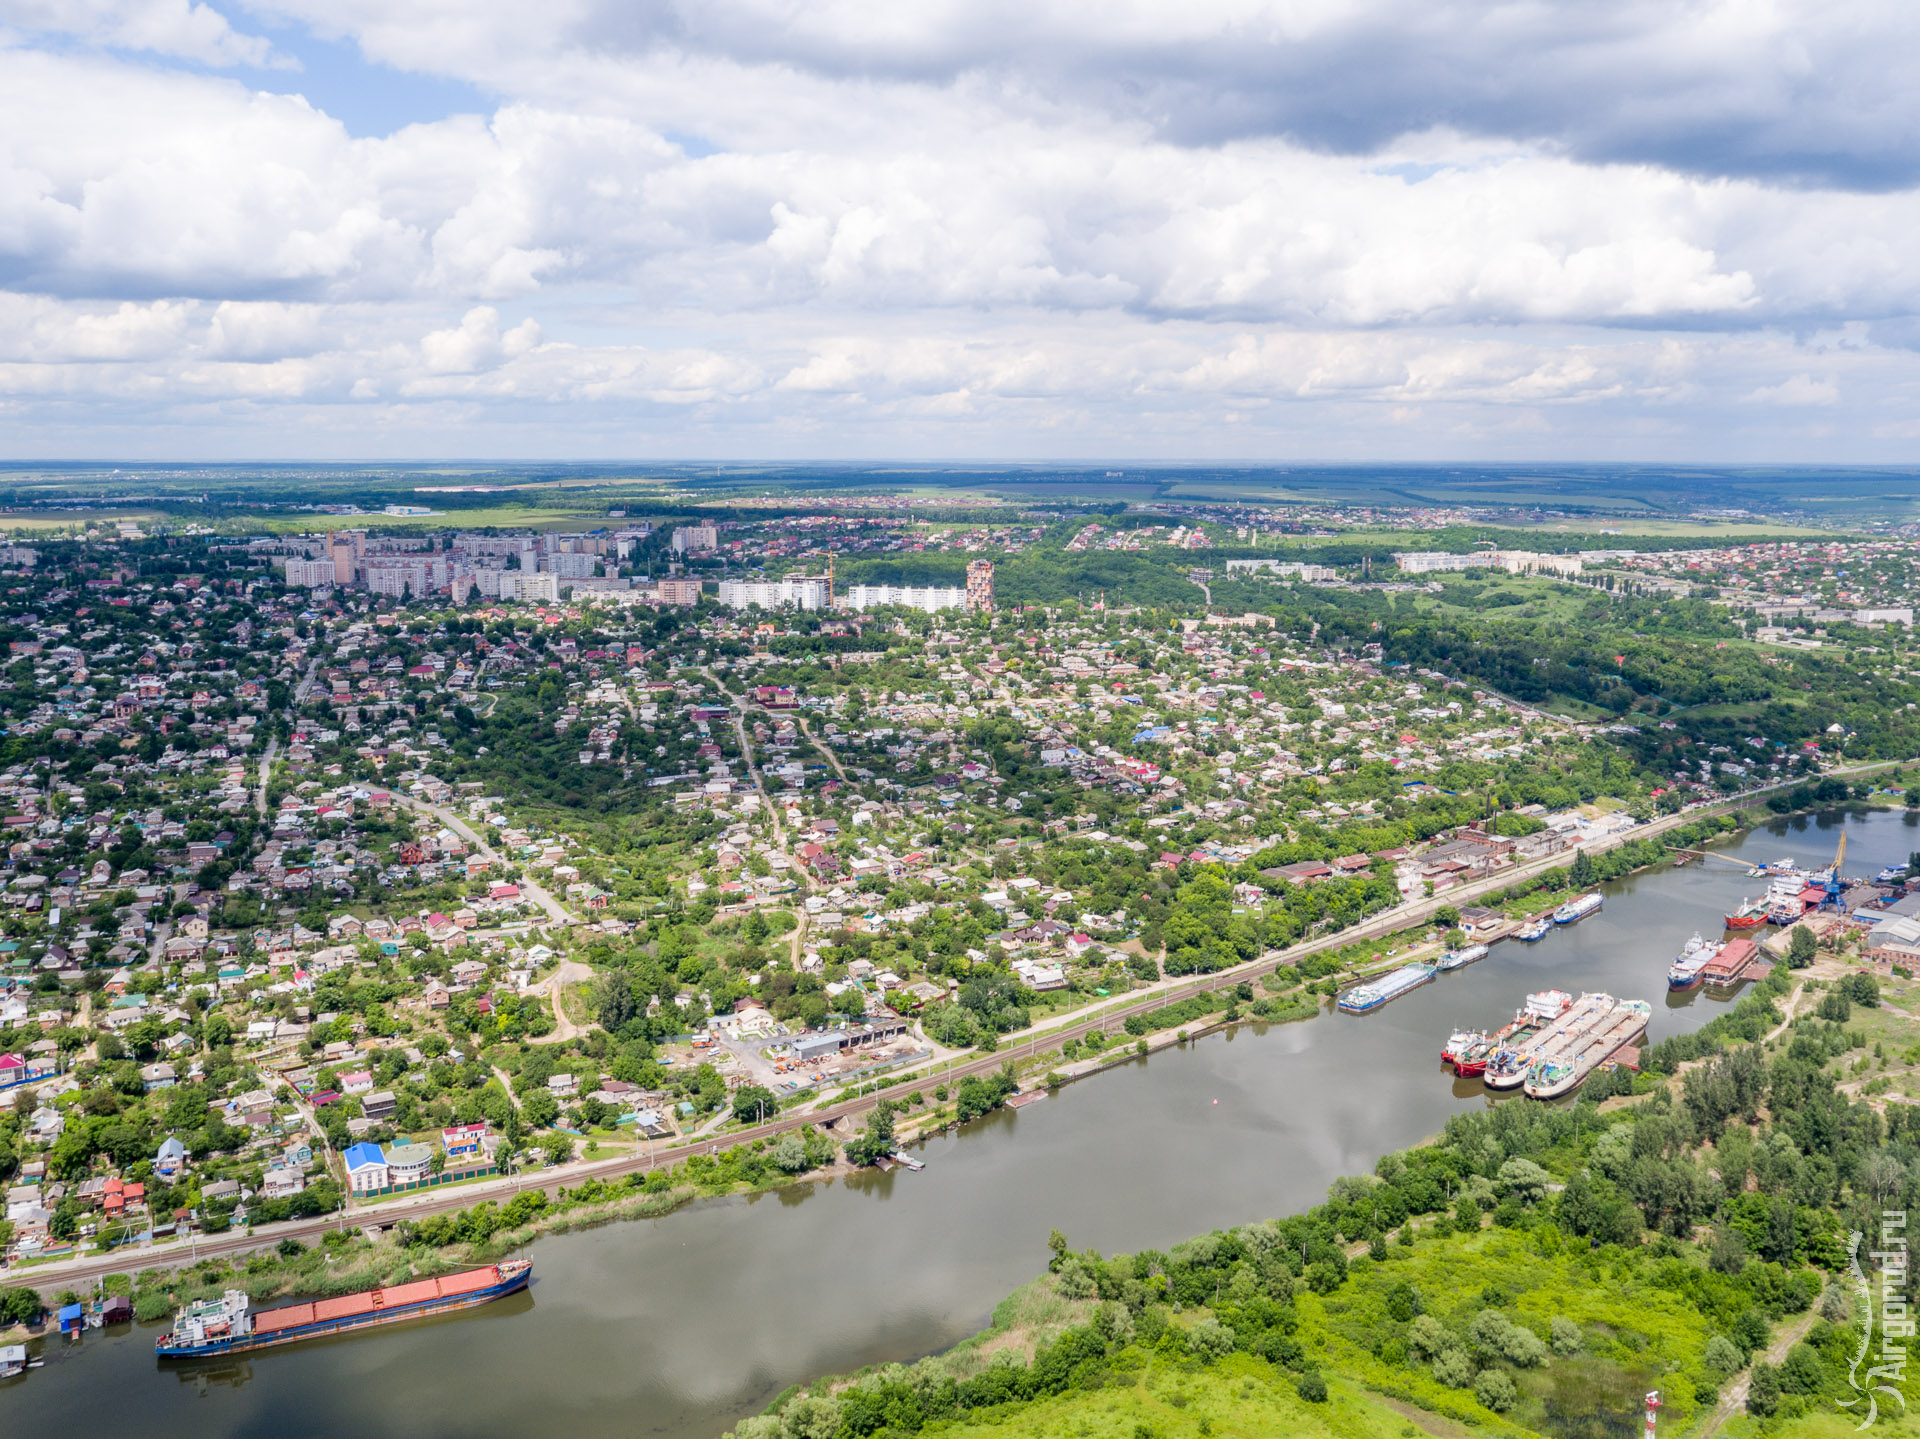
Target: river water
[[679, 1326]]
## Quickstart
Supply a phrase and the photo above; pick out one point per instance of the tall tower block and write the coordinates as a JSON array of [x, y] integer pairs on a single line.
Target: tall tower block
[[980, 585]]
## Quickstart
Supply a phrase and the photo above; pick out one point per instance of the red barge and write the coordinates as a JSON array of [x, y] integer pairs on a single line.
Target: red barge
[[228, 1326]]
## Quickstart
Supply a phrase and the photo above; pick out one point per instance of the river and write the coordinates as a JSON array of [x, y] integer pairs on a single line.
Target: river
[[679, 1326]]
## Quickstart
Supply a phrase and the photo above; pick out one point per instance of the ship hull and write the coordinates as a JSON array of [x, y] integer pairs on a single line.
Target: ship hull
[[1744, 921], [322, 1329]]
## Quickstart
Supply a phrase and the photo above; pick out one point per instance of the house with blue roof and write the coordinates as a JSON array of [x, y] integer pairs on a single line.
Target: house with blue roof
[[366, 1168]]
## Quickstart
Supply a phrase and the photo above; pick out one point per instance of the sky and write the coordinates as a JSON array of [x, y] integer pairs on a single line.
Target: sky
[[967, 229]]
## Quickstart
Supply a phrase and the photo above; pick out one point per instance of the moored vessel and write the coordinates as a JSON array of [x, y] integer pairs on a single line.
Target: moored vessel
[[1535, 930], [1506, 1057], [1460, 958], [1751, 914], [229, 1325], [1578, 909], [1364, 998], [1567, 1068], [1684, 972]]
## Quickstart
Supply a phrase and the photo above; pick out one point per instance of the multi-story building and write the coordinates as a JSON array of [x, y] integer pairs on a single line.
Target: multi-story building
[[310, 574], [1310, 574], [914, 597], [678, 592], [803, 592], [980, 585], [344, 548], [695, 538]]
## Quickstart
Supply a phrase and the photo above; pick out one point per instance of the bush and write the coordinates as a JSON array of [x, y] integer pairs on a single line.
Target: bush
[[1495, 1390], [20, 1306], [1722, 1357], [1210, 1339], [1566, 1335], [1311, 1387], [1454, 1369], [149, 1308]]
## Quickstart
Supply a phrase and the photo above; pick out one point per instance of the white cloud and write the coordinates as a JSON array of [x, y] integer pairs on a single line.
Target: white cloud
[[993, 220], [1798, 391], [183, 28]]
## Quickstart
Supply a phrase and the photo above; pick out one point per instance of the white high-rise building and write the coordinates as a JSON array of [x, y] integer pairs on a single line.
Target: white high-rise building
[[310, 574], [695, 538], [804, 592], [913, 597]]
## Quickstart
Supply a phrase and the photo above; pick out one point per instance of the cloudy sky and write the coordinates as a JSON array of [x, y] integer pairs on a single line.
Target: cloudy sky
[[1265, 229]]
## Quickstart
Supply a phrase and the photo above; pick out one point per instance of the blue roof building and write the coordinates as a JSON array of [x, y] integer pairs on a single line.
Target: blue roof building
[[366, 1167]]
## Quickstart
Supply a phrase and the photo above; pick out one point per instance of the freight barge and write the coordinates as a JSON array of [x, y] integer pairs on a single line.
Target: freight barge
[[1575, 910], [1510, 1066], [215, 1327], [1565, 1071], [1364, 998]]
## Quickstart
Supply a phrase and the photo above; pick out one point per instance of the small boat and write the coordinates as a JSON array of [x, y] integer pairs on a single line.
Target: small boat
[[1460, 958], [1535, 930], [1685, 972], [907, 1161], [1578, 908], [1892, 874]]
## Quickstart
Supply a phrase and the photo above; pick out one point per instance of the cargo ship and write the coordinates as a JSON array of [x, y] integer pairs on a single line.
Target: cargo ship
[[1364, 998], [1577, 909], [1460, 958], [1751, 915], [1685, 972], [1567, 1069], [216, 1327], [1789, 900], [1510, 1068]]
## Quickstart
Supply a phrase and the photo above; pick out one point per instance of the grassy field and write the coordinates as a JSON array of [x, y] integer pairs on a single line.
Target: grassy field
[[1239, 1398], [39, 521]]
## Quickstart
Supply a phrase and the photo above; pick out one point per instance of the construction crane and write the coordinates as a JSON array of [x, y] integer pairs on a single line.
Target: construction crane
[[1834, 883]]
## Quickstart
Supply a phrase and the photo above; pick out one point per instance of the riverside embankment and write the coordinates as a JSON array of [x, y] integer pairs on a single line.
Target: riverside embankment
[[677, 1327]]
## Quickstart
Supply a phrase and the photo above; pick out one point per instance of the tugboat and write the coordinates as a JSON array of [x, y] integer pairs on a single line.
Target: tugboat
[[1535, 930]]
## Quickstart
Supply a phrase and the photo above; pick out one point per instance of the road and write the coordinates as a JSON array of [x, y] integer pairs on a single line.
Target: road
[[569, 972], [826, 750], [753, 770], [1063, 1028], [555, 910]]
